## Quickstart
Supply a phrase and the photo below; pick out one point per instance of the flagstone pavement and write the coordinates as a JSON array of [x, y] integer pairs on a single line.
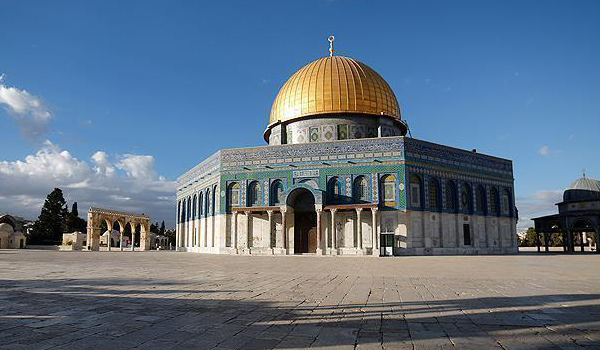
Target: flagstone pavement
[[168, 300]]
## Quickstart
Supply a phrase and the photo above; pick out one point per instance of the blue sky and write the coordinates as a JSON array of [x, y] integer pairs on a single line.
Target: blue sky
[[157, 86]]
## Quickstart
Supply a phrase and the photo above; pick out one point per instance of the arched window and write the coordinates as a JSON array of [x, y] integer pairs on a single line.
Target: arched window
[[480, 198], [494, 201], [208, 203], [434, 194], [189, 206], [505, 202], [359, 190], [451, 200], [200, 204], [415, 191], [276, 192], [388, 190], [183, 210], [333, 190], [194, 207], [234, 194], [466, 198], [214, 201], [253, 193]]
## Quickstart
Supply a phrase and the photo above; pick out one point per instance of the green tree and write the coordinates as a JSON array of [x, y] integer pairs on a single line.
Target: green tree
[[529, 239], [51, 222], [162, 228], [171, 235], [154, 227], [556, 240], [74, 222]]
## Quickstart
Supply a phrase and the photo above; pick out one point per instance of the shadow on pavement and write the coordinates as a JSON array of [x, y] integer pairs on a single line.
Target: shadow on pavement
[[159, 314]]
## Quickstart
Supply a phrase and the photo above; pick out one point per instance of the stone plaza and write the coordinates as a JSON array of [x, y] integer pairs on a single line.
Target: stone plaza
[[164, 300]]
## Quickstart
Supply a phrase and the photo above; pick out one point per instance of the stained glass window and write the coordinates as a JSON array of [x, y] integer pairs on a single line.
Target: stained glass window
[[234, 194], [504, 202], [253, 193], [415, 191], [277, 192], [450, 196], [434, 194], [360, 189], [494, 201], [334, 190], [389, 190]]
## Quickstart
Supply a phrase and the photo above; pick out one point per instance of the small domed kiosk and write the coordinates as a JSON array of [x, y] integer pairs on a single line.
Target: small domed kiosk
[[578, 218], [11, 236]]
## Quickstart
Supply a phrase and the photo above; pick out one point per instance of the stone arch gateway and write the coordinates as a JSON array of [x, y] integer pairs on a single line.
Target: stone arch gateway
[[98, 215]]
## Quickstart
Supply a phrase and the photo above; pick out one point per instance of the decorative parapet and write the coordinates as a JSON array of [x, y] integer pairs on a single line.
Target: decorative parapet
[[207, 167], [116, 212], [418, 150], [384, 149], [359, 149]]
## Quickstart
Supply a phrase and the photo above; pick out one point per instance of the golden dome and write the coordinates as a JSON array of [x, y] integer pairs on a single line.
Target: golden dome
[[334, 84]]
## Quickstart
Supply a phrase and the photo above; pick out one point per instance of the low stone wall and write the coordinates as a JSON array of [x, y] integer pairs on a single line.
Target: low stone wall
[[42, 247]]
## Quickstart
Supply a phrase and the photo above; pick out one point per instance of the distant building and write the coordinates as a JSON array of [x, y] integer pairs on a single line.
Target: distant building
[[74, 241], [158, 241], [578, 218], [114, 239], [11, 232]]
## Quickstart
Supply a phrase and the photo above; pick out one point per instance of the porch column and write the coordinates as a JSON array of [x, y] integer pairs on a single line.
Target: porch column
[[270, 213], [121, 239], [248, 233], [546, 241], [205, 220], [374, 232], [235, 231], [178, 239], [537, 241], [333, 231], [570, 247], [581, 244], [191, 233], [359, 237], [109, 240], [198, 232], [319, 211], [133, 238], [597, 234], [284, 228], [94, 241]]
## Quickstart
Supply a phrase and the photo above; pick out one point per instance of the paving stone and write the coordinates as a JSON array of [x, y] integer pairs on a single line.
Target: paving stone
[[166, 300]]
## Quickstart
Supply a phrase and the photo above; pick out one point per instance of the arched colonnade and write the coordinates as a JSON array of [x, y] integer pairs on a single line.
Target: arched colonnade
[[113, 218]]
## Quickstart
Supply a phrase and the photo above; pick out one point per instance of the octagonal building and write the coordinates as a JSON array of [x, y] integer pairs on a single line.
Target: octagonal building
[[339, 176]]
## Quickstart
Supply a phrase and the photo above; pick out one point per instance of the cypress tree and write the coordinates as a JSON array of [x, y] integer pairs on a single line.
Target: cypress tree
[[74, 222], [74, 211], [51, 222]]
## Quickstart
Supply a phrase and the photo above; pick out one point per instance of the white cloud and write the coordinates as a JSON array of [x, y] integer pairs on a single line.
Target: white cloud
[[537, 204], [48, 163], [137, 167], [28, 111], [546, 151], [131, 184], [103, 165]]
